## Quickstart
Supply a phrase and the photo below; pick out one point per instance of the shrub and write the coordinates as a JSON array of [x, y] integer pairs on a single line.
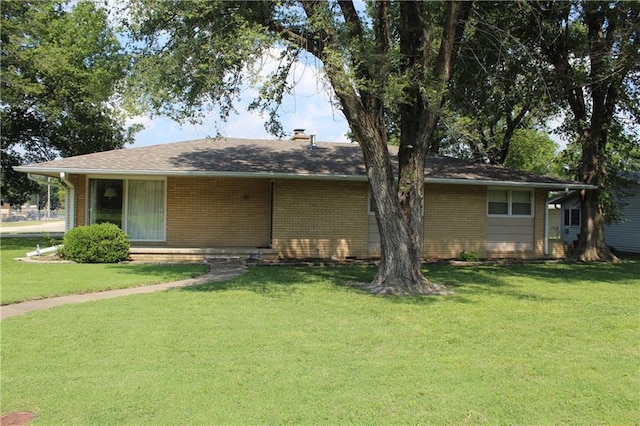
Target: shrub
[[99, 243], [471, 256]]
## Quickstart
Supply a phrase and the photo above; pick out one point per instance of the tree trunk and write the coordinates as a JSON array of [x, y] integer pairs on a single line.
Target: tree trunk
[[591, 246], [399, 203], [399, 214], [594, 127], [400, 270]]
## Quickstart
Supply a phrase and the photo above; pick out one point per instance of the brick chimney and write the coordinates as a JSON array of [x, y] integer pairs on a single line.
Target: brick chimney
[[299, 135]]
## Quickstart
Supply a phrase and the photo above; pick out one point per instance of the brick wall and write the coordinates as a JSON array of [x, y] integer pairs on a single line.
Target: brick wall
[[314, 218], [455, 220], [218, 212], [559, 249], [80, 183], [320, 218]]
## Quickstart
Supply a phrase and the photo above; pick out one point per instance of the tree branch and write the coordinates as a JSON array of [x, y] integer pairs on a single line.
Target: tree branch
[[453, 29]]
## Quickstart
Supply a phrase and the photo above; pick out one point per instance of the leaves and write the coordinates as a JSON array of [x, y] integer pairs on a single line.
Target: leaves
[[60, 65]]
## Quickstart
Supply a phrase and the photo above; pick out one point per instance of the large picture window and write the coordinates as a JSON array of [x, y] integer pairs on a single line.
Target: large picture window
[[135, 205], [510, 202]]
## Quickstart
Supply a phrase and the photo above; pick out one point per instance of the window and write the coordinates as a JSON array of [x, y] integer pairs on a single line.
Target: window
[[508, 202], [105, 203], [498, 202], [136, 205], [521, 203], [572, 217], [145, 212], [372, 204]]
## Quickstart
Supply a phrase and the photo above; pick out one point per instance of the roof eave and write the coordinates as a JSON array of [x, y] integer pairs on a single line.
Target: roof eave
[[191, 173], [273, 175], [481, 182]]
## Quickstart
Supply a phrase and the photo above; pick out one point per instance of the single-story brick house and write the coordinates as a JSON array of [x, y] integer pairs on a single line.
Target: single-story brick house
[[297, 198]]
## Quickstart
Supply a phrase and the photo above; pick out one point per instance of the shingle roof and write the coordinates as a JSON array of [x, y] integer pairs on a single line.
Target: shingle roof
[[276, 158]]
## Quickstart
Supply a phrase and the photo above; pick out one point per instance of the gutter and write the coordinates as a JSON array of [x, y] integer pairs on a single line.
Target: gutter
[[44, 181], [69, 201], [546, 228], [541, 185], [273, 175]]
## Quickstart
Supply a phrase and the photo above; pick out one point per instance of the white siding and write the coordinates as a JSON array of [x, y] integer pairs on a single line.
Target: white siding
[[510, 234], [374, 236], [569, 233], [626, 236], [555, 219]]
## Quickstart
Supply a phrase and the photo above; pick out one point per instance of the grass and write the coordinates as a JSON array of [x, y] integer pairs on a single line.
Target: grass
[[533, 344], [27, 281]]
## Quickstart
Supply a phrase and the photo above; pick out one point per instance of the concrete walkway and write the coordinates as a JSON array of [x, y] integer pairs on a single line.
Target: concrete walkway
[[42, 227], [217, 272]]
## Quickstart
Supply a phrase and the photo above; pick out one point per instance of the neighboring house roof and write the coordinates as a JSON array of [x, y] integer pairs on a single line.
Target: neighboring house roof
[[276, 158], [562, 198]]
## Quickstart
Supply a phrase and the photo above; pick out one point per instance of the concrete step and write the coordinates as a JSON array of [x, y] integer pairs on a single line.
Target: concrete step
[[209, 254]]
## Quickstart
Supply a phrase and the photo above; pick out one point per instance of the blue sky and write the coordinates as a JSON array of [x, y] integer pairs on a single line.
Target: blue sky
[[311, 113], [308, 107]]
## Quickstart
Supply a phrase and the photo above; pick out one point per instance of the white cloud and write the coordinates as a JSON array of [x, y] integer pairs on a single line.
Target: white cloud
[[309, 107]]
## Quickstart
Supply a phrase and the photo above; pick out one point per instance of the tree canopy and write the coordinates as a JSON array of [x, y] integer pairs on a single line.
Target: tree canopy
[[498, 85], [388, 60], [60, 66], [593, 53], [390, 67]]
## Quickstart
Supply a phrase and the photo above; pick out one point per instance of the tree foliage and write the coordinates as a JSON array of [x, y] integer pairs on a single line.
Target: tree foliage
[[592, 51], [532, 151], [60, 65], [390, 60], [498, 87]]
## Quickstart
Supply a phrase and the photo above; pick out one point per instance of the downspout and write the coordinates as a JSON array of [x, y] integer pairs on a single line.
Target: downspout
[[271, 186], [546, 226], [69, 201]]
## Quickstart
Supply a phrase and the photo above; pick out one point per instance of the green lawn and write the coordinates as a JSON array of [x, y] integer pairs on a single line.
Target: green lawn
[[534, 344], [26, 281]]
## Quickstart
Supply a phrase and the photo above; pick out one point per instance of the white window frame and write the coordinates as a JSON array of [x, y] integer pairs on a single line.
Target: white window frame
[[510, 202], [125, 201], [568, 212]]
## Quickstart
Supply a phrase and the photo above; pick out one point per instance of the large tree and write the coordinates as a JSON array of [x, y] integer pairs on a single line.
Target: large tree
[[498, 86], [592, 48], [60, 64], [394, 55]]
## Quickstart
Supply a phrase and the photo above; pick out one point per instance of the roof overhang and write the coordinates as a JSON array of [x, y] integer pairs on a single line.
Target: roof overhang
[[314, 176], [541, 185]]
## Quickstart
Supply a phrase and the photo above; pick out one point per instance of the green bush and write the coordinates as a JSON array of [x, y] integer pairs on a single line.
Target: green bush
[[471, 256], [99, 243]]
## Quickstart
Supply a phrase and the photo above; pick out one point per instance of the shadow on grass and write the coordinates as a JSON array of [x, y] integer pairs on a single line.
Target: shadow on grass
[[466, 283], [282, 281], [168, 270], [581, 273], [278, 281]]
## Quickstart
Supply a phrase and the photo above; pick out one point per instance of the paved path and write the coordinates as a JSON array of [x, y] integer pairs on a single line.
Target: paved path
[[217, 272]]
